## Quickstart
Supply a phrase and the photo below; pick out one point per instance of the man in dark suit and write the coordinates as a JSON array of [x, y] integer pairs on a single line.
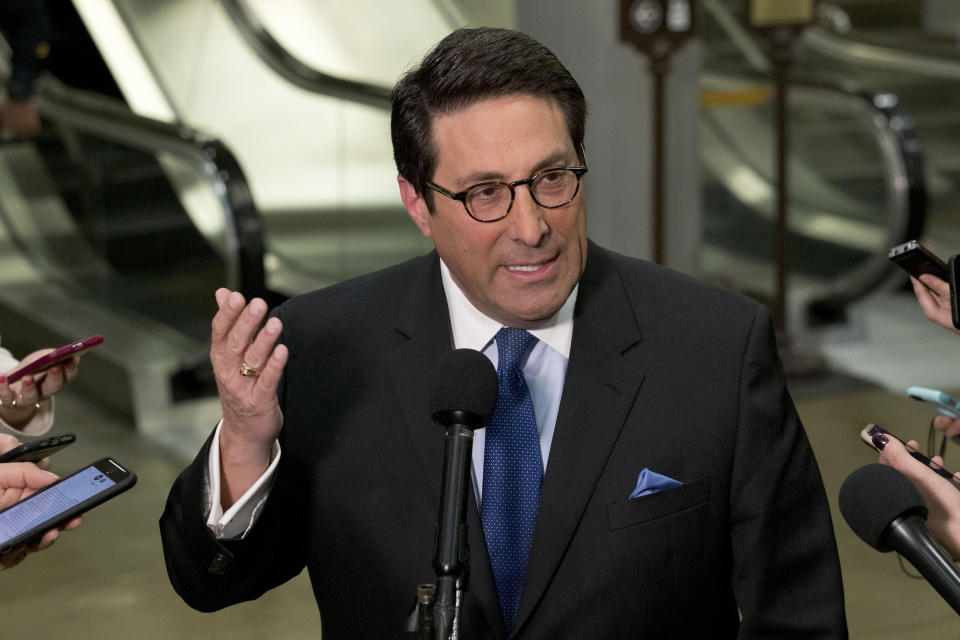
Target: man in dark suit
[[675, 492]]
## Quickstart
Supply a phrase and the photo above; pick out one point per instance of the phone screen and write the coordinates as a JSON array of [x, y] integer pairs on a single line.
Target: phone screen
[[47, 504]]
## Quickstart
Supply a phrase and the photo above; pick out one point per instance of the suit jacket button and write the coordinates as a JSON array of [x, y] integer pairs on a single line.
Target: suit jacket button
[[218, 566]]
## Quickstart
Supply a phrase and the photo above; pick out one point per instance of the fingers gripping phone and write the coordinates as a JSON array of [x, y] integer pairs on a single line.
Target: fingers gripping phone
[[873, 430], [54, 357], [944, 403], [38, 449], [916, 260], [62, 501]]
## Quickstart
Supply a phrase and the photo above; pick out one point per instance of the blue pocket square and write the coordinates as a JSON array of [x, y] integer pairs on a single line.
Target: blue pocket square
[[650, 482]]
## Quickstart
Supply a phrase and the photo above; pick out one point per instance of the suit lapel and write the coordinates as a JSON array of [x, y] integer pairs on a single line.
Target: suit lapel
[[599, 390], [425, 323]]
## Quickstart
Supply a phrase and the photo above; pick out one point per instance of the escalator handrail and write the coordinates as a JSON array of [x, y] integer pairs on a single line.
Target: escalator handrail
[[838, 47], [111, 119], [892, 59], [278, 58]]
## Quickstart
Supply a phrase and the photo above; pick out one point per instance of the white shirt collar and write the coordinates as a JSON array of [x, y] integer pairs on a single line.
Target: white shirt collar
[[474, 330]]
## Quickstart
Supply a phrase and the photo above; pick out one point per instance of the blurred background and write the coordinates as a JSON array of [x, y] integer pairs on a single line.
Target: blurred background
[[192, 144]]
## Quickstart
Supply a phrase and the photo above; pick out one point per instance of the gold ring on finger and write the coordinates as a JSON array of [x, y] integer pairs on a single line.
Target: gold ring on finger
[[247, 371]]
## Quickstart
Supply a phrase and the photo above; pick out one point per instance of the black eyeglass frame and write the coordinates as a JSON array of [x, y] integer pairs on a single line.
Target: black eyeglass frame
[[462, 195]]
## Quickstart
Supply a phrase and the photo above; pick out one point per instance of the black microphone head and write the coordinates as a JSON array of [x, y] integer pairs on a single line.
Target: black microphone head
[[463, 381], [873, 497]]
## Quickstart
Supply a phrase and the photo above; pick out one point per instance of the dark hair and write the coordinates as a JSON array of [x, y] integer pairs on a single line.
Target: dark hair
[[467, 66]]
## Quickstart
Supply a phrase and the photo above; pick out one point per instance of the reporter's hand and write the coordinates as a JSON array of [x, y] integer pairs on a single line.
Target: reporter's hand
[[19, 401], [251, 414], [935, 303], [947, 425], [19, 480], [939, 494]]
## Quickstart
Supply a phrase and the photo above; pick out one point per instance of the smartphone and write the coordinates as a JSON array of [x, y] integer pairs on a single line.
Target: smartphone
[[945, 403], [916, 259], [52, 506], [56, 356], [874, 429], [38, 449], [953, 266]]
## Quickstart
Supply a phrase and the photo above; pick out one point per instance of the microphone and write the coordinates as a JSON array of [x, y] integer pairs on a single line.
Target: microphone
[[888, 513], [463, 396]]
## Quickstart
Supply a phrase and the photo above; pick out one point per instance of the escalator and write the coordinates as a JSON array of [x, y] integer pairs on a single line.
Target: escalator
[[892, 51], [856, 174], [122, 219]]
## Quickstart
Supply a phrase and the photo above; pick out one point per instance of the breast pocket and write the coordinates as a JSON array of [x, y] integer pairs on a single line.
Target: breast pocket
[[658, 505]]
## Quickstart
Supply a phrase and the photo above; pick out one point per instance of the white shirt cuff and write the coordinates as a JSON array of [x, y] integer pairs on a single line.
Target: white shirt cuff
[[240, 517]]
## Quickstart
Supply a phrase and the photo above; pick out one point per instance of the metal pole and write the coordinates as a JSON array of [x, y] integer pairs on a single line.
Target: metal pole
[[660, 67]]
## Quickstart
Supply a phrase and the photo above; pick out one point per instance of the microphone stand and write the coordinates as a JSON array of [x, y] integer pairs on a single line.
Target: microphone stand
[[437, 615]]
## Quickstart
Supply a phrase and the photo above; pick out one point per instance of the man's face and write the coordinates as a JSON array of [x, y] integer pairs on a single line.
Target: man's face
[[521, 269]]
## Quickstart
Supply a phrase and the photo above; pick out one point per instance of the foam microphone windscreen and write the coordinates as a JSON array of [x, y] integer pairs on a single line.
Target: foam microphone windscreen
[[464, 380], [875, 495]]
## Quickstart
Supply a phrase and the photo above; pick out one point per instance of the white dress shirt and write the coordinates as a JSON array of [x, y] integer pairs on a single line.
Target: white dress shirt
[[544, 370]]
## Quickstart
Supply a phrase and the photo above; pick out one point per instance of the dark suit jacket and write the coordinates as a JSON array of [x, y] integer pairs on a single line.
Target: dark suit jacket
[[665, 373]]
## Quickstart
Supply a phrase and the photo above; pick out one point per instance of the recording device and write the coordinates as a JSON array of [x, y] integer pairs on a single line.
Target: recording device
[[945, 403], [916, 260], [886, 511], [873, 430], [38, 449], [54, 357], [52, 506], [463, 396]]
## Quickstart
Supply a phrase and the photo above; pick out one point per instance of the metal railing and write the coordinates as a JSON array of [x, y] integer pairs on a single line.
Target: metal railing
[[288, 66]]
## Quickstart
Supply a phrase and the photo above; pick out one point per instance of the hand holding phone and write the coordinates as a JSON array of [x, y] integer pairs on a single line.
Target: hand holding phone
[[62, 501], [873, 435], [56, 356], [36, 450]]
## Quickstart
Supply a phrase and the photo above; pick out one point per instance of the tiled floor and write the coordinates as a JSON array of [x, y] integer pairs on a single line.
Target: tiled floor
[[107, 579]]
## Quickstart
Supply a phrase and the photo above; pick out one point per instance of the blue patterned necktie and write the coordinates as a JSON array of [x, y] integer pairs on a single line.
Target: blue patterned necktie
[[512, 472]]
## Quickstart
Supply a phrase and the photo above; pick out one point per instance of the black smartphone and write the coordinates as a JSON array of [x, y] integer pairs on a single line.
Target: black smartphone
[[916, 259], [952, 266], [38, 449], [872, 430], [52, 506]]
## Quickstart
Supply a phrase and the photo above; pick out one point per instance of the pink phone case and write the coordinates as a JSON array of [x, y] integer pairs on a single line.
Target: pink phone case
[[58, 355]]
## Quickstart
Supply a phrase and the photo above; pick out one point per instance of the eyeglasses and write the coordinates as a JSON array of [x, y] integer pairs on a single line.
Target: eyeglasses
[[492, 201]]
